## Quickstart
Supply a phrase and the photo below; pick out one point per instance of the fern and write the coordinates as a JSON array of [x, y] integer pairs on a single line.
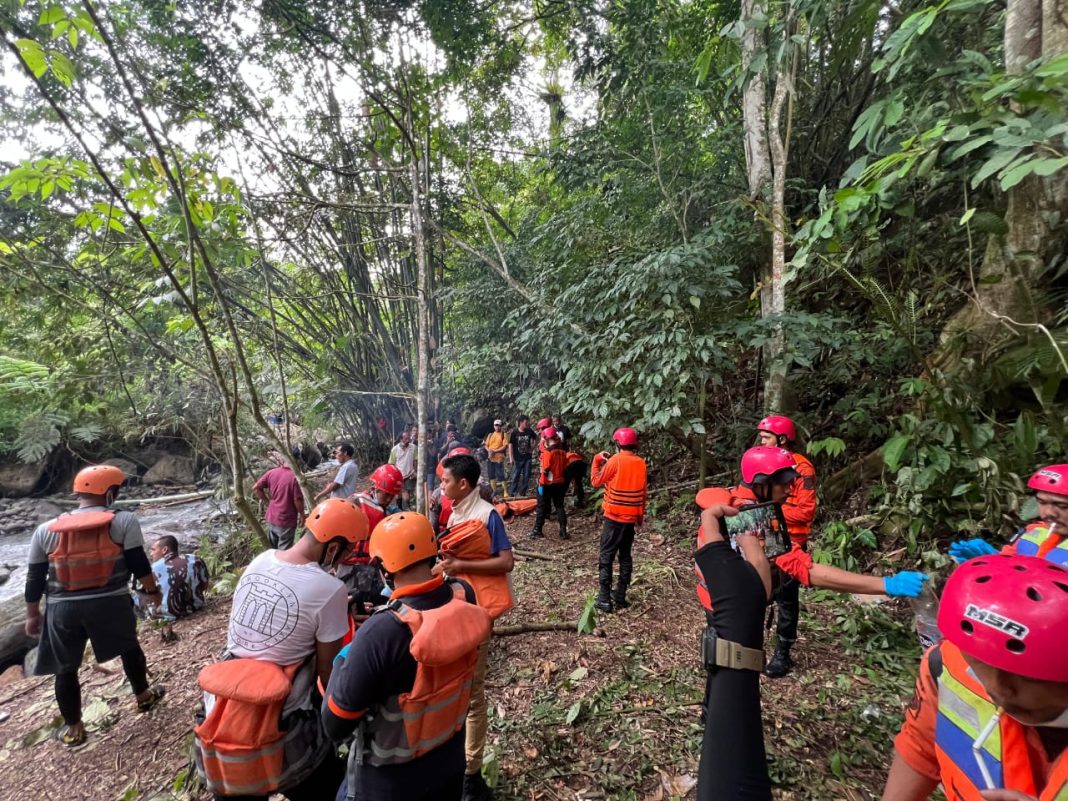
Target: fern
[[20, 375], [87, 433], [39, 434]]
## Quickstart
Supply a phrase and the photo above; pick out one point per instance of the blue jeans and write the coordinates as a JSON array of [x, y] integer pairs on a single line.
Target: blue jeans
[[520, 476]]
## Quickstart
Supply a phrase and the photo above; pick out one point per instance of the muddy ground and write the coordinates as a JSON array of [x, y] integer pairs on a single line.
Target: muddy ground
[[613, 715]]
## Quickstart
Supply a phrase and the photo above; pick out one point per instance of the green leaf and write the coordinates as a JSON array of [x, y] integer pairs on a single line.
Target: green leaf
[[51, 15], [893, 450], [1045, 167], [33, 54], [996, 162], [967, 216], [587, 621], [62, 68], [573, 713], [1017, 174]]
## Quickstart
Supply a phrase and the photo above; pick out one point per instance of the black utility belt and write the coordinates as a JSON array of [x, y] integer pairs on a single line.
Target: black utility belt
[[717, 652]]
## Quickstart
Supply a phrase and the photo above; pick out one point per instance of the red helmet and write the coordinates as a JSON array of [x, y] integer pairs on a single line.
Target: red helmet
[[461, 451], [764, 465], [1009, 612], [544, 422], [1052, 479], [779, 426], [549, 432], [625, 437], [389, 479]]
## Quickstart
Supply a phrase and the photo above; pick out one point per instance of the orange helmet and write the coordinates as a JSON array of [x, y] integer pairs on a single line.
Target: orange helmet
[[337, 517], [402, 540], [97, 479]]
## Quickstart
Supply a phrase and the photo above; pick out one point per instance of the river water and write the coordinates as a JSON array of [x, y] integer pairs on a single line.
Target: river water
[[187, 521]]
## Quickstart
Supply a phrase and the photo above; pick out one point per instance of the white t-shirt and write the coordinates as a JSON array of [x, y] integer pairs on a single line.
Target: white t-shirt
[[280, 611], [404, 458]]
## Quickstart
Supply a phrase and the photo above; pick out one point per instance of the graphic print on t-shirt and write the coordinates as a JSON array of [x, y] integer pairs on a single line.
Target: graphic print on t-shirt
[[265, 613]]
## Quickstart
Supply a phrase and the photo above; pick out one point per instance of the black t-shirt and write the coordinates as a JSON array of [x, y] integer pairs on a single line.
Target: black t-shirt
[[523, 442]]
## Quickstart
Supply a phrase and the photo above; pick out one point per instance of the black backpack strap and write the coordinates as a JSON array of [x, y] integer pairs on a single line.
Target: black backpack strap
[[934, 662]]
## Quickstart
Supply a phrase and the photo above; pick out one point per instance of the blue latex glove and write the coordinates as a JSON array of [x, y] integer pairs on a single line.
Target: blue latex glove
[[539, 489], [906, 584], [963, 550]]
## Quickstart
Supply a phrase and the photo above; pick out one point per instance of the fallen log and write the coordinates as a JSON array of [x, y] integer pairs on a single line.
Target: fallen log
[[533, 555], [185, 497], [527, 628]]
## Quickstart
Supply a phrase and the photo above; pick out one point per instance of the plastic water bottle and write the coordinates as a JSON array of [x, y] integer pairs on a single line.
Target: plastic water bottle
[[925, 607]]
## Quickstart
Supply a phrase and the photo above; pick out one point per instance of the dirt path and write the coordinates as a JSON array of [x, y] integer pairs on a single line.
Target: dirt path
[[613, 716]]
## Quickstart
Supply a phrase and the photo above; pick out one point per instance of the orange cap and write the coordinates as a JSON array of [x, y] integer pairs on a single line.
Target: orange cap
[[402, 540]]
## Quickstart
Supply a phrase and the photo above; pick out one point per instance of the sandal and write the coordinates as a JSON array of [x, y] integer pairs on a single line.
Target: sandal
[[72, 741], [155, 696]]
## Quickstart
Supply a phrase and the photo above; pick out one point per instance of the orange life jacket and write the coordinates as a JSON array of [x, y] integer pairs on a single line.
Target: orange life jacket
[[445, 644], [964, 709], [85, 556], [574, 457], [471, 540], [240, 746], [624, 479]]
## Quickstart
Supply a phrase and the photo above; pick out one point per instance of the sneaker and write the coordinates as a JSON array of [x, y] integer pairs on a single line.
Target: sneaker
[[604, 606], [475, 788], [780, 665]]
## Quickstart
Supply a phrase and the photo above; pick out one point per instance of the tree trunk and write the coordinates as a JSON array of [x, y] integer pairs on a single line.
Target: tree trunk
[[1004, 299], [423, 272]]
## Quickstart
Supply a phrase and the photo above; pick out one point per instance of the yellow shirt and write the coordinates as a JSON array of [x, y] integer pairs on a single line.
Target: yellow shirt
[[497, 439]]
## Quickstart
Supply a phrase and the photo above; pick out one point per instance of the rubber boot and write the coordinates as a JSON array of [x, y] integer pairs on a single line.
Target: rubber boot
[[604, 596], [619, 596], [475, 788], [781, 663]]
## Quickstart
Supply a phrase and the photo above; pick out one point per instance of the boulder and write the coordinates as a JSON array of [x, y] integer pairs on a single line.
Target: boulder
[[11, 675], [29, 664], [171, 469], [46, 510], [126, 466], [14, 643], [17, 480]]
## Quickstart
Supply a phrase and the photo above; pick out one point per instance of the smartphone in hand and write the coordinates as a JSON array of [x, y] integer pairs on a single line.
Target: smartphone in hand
[[765, 520]]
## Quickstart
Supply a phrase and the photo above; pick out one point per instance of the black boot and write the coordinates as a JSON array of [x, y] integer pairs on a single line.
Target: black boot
[[603, 603], [619, 597], [475, 788], [781, 663]]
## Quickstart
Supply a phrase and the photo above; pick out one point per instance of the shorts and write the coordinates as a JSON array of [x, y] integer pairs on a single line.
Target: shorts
[[409, 486], [281, 537], [496, 471], [107, 623]]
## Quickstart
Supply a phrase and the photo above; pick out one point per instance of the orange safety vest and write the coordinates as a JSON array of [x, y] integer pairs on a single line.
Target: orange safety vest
[[574, 457], [1035, 540], [964, 709], [471, 540], [85, 556], [240, 745], [624, 489], [445, 644]]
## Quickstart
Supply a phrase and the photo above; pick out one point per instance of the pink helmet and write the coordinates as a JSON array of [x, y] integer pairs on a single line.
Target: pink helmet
[[1009, 612], [779, 426], [544, 422], [764, 465], [388, 478], [625, 437], [549, 432], [1052, 479]]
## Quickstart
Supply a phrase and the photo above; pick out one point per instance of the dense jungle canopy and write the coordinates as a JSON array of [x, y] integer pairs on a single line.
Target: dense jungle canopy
[[671, 215]]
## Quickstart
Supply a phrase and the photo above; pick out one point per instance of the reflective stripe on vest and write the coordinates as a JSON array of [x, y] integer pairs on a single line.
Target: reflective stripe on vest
[[85, 557], [624, 494], [964, 710], [1035, 540], [445, 643]]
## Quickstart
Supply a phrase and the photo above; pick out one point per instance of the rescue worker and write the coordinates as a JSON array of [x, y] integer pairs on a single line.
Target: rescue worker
[[623, 477], [799, 510], [767, 475], [404, 685], [362, 579], [1047, 537], [263, 733], [551, 484], [575, 474], [540, 427], [475, 548], [82, 561], [989, 719]]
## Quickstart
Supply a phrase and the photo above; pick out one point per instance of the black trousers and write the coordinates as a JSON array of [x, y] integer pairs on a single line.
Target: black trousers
[[733, 760], [788, 603], [321, 785], [552, 495], [616, 540]]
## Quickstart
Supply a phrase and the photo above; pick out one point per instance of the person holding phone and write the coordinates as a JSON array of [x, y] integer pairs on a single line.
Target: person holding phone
[[799, 510], [767, 474]]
